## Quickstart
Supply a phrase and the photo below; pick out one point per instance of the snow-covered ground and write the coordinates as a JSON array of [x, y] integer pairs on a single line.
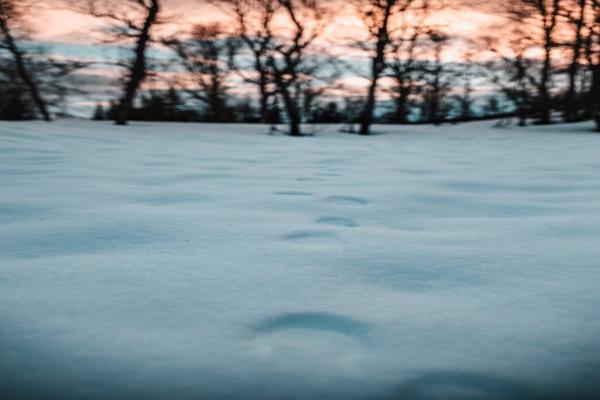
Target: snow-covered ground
[[167, 261]]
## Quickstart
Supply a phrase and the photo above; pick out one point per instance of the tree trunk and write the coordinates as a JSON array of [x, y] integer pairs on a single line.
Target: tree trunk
[[291, 109], [522, 116], [377, 67], [436, 97], [595, 94], [544, 96], [24, 73], [571, 108], [402, 106], [264, 101], [137, 72], [550, 21], [376, 70], [263, 89]]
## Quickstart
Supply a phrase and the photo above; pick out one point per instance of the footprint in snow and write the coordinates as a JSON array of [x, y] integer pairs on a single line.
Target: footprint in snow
[[293, 193], [167, 199], [351, 200], [328, 174], [338, 221], [315, 321], [309, 236], [309, 179]]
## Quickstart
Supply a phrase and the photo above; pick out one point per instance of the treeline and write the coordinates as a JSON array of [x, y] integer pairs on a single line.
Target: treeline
[[543, 59], [171, 106], [31, 82]]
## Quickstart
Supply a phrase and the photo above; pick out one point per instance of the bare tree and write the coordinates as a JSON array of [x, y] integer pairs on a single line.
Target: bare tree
[[543, 17], [575, 12], [131, 21], [405, 67], [207, 58], [319, 76], [281, 63], [15, 103], [253, 20], [513, 70], [438, 83], [288, 58], [377, 15], [592, 52], [465, 96], [9, 13]]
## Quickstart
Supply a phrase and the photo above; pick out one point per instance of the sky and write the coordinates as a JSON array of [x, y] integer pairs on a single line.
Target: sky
[[57, 24], [74, 35]]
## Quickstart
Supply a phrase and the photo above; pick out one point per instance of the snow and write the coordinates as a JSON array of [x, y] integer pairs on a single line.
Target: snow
[[214, 261]]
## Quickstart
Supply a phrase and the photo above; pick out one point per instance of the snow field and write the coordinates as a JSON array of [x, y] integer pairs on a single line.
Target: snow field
[[214, 261]]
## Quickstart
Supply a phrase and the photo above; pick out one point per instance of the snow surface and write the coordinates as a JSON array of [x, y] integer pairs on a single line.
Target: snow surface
[[173, 261]]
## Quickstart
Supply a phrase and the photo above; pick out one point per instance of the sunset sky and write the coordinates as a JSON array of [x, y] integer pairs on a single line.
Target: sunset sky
[[74, 35], [58, 25]]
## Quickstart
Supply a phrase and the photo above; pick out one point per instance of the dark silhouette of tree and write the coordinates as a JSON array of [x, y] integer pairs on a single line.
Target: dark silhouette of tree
[[541, 17], [274, 114], [152, 108], [465, 74], [592, 52], [351, 113], [175, 106], [377, 16], [575, 12], [465, 100], [326, 113], [492, 107], [438, 82], [99, 113], [244, 112], [111, 110], [513, 69], [156, 105], [253, 20], [316, 83], [9, 13], [287, 58], [15, 103], [131, 21], [404, 66], [207, 58]]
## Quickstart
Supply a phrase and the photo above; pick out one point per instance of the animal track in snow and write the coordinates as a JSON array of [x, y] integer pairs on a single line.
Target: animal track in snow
[[310, 236], [352, 200], [309, 179], [328, 174], [293, 193], [338, 221], [165, 199], [316, 321]]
